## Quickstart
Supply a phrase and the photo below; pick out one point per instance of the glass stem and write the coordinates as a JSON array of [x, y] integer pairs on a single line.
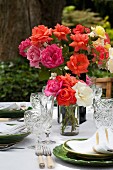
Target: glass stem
[[47, 136]]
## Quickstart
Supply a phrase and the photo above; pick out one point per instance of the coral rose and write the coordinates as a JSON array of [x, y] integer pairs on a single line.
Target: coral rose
[[51, 57], [40, 35], [53, 87], [78, 64], [61, 31], [66, 97], [67, 80], [33, 55], [80, 41], [79, 29]]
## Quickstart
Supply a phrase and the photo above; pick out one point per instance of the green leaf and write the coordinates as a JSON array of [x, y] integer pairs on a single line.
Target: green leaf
[[44, 75]]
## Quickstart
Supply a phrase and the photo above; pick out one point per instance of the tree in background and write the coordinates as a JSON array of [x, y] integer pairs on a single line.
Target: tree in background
[[17, 17]]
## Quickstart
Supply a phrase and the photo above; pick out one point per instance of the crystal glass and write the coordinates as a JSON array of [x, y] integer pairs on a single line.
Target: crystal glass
[[103, 113], [48, 109], [34, 122], [34, 100], [97, 94], [97, 91], [39, 119]]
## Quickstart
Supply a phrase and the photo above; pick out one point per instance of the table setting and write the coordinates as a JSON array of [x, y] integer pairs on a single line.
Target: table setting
[[32, 137], [64, 154]]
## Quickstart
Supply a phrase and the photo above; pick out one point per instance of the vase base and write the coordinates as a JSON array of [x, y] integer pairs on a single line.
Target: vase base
[[68, 131]]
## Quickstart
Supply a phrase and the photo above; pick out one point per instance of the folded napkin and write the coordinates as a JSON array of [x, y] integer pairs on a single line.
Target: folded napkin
[[104, 141], [13, 106], [15, 129], [100, 142]]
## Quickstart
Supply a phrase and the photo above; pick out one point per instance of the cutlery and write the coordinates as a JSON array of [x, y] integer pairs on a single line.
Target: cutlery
[[47, 152], [5, 119], [4, 147], [39, 153]]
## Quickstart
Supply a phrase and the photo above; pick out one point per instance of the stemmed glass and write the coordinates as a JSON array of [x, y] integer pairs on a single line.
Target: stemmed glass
[[47, 104], [34, 121], [39, 119], [48, 122], [97, 92], [48, 109]]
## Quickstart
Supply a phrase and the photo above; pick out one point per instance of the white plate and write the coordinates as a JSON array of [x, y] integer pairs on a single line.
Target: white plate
[[84, 148]]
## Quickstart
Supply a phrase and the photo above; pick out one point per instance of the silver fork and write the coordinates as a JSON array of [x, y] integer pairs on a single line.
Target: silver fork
[[47, 152], [39, 153]]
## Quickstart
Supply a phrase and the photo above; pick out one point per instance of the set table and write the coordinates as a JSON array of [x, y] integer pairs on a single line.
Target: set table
[[25, 159]]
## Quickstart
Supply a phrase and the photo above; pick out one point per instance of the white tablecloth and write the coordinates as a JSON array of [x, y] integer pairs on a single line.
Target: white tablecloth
[[25, 159]]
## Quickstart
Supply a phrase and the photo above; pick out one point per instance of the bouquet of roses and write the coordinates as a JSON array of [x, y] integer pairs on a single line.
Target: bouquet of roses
[[69, 91], [61, 49]]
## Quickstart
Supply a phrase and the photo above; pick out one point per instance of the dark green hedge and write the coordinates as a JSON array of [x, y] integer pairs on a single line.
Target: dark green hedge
[[18, 81]]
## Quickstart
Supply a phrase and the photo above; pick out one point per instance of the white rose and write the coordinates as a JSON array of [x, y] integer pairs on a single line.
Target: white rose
[[110, 65], [91, 34], [84, 94], [111, 53]]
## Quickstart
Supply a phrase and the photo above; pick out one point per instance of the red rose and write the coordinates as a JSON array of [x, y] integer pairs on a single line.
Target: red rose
[[66, 97]]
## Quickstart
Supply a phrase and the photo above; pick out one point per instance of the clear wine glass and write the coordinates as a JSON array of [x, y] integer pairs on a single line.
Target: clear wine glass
[[39, 119], [47, 107], [35, 100], [47, 128], [34, 121]]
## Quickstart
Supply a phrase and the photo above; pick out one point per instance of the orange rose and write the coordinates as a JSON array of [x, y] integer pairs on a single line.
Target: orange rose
[[61, 31], [80, 41], [66, 97], [79, 29], [78, 64], [40, 35], [67, 80]]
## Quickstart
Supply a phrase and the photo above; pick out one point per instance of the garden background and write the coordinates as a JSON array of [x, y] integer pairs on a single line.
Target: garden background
[[17, 18]]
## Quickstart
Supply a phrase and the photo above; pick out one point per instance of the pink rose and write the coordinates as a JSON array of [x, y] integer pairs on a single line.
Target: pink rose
[[24, 45], [33, 55], [52, 56], [88, 80], [53, 87]]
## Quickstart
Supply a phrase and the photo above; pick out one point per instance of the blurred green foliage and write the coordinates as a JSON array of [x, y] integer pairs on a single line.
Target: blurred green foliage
[[71, 17], [99, 73], [17, 81]]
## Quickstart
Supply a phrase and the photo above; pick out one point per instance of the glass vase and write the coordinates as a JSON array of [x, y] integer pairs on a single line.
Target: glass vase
[[81, 109], [103, 113], [69, 124]]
